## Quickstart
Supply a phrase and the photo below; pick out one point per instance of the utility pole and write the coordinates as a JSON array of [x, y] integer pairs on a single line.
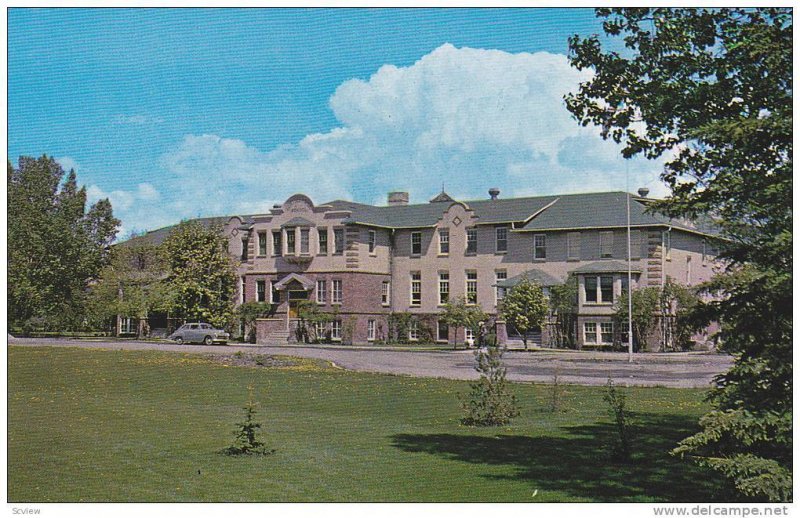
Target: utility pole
[[630, 287]]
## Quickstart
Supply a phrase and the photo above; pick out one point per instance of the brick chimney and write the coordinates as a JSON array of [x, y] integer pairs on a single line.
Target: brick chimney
[[398, 198]]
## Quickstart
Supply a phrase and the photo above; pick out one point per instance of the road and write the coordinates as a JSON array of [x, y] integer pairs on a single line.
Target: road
[[684, 370]]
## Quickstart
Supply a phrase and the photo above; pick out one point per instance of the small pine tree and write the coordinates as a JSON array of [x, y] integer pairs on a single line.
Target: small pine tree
[[246, 442], [621, 450], [490, 402]]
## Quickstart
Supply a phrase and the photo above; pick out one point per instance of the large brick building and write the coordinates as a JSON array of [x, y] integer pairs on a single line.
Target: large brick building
[[365, 262]]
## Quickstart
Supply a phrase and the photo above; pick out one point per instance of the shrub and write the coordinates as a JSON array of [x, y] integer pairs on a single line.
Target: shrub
[[621, 448], [246, 442], [490, 403]]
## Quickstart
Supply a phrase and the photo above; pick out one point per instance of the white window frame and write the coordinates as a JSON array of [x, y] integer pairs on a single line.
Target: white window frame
[[469, 335], [498, 240], [413, 330], [601, 332], [471, 282], [305, 242], [336, 330], [386, 293], [444, 241], [262, 243], [337, 292], [416, 236], [291, 241], [262, 295], [439, 327], [272, 293], [444, 282], [592, 333], [277, 248], [372, 242], [539, 249], [126, 326], [667, 239], [337, 242], [320, 329], [499, 276], [371, 330], [242, 287], [415, 287], [322, 291], [322, 231], [606, 244]]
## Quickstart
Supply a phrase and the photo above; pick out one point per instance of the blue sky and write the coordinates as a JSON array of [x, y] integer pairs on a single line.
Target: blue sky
[[178, 113]]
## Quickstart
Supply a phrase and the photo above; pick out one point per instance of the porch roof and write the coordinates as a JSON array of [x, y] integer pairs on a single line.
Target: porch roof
[[302, 279]]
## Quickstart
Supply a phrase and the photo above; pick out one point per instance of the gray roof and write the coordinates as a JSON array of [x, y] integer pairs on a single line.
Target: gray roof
[[569, 211], [534, 275], [156, 237], [605, 267]]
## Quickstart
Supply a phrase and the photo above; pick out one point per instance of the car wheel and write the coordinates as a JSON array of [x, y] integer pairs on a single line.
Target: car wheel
[[178, 340], [208, 340]]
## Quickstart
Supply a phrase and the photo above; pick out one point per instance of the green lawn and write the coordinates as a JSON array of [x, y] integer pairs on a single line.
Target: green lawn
[[130, 426]]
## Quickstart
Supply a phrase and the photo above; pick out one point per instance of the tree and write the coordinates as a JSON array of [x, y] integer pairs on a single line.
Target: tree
[[525, 307], [133, 284], [55, 246], [457, 313], [310, 318], [713, 88], [646, 305], [489, 403], [202, 276], [248, 313], [564, 307]]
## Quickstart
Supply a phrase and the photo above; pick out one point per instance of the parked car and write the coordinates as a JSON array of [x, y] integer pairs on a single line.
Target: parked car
[[199, 333]]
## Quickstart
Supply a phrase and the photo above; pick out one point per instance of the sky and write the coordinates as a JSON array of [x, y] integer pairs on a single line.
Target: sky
[[182, 113]]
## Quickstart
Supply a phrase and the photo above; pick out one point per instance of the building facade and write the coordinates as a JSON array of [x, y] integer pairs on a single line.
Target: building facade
[[363, 263]]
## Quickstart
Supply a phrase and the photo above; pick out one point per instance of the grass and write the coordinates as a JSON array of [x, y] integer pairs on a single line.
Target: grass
[[144, 426]]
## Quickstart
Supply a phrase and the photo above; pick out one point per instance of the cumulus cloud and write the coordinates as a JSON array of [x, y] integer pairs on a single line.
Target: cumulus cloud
[[466, 118], [68, 163]]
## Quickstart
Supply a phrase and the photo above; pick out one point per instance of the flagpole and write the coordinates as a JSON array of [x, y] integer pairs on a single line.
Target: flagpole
[[630, 287]]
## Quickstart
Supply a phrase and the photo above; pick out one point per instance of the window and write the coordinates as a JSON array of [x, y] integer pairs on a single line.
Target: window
[[322, 238], [472, 240], [606, 332], [126, 326], [416, 243], [590, 332], [277, 246], [501, 239], [590, 287], [304, 241], [444, 287], [539, 246], [442, 331], [636, 244], [500, 293], [606, 288], [688, 269], [704, 256], [667, 245], [261, 291], [322, 291], [370, 330], [416, 289], [413, 330], [290, 237], [469, 335], [606, 244], [336, 330], [444, 241], [336, 292], [338, 240], [242, 291], [371, 241], [573, 246], [245, 244], [262, 244], [276, 294], [472, 287], [385, 293]]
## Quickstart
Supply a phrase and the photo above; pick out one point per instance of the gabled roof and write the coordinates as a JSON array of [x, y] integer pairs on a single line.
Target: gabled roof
[[158, 236], [298, 222], [535, 275], [302, 279], [605, 267]]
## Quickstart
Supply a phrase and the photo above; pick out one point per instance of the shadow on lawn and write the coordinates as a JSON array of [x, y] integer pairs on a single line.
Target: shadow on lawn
[[579, 464]]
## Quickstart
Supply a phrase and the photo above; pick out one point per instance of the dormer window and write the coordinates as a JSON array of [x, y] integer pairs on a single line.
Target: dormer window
[[416, 243], [472, 240]]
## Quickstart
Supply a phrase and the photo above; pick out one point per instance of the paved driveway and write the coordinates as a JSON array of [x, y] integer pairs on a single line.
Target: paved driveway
[[583, 368]]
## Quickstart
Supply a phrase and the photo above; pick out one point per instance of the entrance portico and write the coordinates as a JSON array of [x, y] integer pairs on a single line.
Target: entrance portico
[[297, 288]]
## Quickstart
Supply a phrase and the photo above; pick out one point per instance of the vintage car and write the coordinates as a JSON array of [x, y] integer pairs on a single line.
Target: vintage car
[[199, 333]]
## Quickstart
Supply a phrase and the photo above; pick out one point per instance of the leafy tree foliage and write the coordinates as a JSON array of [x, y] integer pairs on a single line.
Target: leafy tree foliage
[[310, 316], [714, 88], [55, 246], [248, 313], [132, 284], [490, 402], [525, 307], [564, 307], [202, 276], [645, 303], [457, 313]]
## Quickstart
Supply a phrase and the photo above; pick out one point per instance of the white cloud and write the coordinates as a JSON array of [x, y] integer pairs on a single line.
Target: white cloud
[[68, 163], [468, 118]]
